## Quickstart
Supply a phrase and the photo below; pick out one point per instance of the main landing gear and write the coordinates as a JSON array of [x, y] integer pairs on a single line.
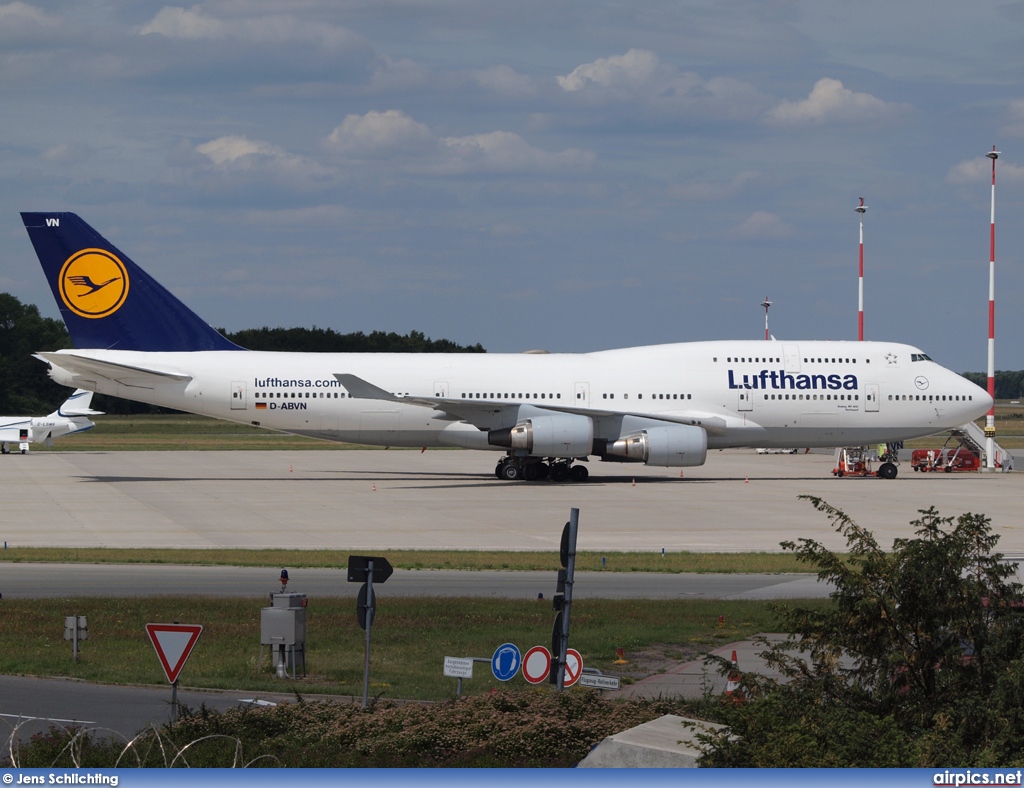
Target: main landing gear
[[536, 469]]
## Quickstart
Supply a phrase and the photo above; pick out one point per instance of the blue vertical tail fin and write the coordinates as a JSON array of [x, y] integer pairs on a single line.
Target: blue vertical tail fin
[[106, 300]]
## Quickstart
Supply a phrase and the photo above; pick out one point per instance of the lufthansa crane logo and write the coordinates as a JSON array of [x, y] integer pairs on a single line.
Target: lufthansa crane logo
[[93, 283]]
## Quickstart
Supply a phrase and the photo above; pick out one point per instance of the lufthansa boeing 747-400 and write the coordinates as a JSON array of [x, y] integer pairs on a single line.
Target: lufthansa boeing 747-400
[[662, 405]]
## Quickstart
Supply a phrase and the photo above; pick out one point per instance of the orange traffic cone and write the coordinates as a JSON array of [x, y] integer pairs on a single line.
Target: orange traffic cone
[[746, 480], [733, 688], [634, 482], [375, 487], [681, 474], [290, 469], [620, 658]]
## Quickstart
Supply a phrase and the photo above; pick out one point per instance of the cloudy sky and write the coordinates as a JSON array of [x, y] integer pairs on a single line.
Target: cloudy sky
[[562, 175]]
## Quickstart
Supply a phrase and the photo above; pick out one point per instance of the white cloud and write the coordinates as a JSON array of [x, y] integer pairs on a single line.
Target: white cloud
[[380, 134], [393, 134], [762, 224], [640, 78], [176, 22], [227, 150], [20, 20], [67, 153], [193, 23], [237, 154], [505, 81], [830, 102], [979, 170], [619, 73], [505, 151]]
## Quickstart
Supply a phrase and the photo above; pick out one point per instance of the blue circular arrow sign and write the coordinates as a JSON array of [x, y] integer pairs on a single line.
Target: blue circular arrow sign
[[506, 661]]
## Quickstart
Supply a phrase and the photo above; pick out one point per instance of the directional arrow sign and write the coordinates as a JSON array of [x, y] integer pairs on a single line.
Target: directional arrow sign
[[173, 644]]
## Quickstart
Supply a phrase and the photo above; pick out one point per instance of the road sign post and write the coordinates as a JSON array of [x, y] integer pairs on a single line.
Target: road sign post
[[563, 600], [367, 569], [76, 629]]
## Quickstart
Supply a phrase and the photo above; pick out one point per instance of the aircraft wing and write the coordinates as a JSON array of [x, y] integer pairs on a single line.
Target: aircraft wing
[[125, 374], [482, 413]]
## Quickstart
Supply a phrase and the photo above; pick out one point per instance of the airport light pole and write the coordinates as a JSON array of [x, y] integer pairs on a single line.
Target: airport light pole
[[990, 419], [766, 303], [860, 209]]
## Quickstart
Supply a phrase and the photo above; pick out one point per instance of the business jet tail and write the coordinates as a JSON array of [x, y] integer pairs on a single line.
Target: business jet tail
[[106, 300]]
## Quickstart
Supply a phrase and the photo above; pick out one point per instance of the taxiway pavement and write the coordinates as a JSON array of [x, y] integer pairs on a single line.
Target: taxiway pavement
[[382, 500]]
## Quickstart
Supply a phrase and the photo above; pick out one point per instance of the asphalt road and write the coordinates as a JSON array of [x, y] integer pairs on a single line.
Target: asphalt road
[[34, 581]]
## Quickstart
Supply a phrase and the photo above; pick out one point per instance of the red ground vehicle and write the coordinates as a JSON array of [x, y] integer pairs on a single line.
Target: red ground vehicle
[[855, 461], [947, 460]]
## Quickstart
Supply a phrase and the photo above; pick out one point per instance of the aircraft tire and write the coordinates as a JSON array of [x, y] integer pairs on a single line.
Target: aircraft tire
[[498, 468], [579, 473], [887, 471], [559, 472], [531, 472], [511, 472]]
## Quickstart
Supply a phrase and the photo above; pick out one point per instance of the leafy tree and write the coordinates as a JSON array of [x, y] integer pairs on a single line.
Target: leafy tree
[[326, 340], [917, 663], [25, 387], [1009, 385]]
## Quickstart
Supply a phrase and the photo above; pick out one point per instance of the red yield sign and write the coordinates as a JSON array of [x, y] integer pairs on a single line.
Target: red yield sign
[[573, 667], [537, 665], [173, 644]]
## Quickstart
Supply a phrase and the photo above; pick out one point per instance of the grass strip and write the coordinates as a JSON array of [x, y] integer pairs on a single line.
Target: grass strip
[[411, 637], [670, 562]]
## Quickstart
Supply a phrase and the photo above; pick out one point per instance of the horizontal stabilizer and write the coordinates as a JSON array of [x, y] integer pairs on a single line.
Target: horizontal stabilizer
[[77, 405], [125, 374]]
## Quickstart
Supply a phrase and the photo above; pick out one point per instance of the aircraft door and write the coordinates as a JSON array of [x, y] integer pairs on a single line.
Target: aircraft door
[[746, 401], [441, 388], [583, 394], [791, 356], [238, 395], [871, 397]]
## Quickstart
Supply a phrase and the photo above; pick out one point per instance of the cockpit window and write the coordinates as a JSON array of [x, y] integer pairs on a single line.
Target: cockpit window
[[919, 357]]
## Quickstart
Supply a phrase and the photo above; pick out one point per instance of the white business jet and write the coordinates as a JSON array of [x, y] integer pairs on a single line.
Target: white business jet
[[545, 413], [69, 418]]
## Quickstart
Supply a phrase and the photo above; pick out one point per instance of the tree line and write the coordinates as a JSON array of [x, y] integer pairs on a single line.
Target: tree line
[[26, 389]]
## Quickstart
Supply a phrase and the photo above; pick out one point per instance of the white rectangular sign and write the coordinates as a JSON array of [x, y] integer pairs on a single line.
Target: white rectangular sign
[[458, 667], [599, 682]]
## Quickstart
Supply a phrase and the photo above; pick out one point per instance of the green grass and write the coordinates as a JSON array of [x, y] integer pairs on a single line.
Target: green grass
[[410, 639], [771, 563]]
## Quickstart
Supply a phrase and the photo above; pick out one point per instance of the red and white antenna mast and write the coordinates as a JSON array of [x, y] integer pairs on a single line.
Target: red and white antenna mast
[[990, 419], [766, 303], [860, 209]]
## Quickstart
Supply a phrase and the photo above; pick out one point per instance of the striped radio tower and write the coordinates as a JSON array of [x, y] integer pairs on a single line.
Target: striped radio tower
[[860, 209], [766, 303], [990, 419]]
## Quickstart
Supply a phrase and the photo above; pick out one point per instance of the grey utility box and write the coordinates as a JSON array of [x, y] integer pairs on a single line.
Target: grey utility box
[[283, 628]]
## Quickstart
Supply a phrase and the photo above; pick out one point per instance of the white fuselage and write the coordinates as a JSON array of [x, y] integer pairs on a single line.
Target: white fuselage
[[744, 393]]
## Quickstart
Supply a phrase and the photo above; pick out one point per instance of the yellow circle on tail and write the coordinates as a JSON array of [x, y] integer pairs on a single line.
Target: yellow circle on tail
[[93, 283]]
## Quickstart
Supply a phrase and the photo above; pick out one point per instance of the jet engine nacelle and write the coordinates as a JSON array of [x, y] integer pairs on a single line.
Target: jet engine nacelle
[[561, 435], [669, 446]]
